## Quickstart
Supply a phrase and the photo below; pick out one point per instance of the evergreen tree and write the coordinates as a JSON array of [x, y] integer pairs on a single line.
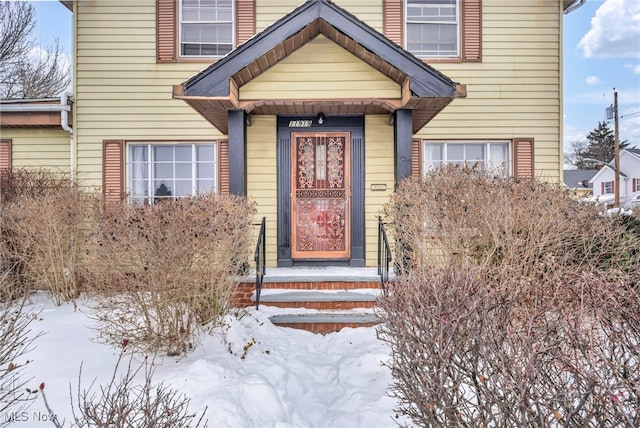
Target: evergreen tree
[[600, 145]]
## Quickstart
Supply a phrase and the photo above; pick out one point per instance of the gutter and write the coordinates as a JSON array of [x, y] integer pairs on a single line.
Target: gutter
[[64, 123], [64, 108], [575, 5]]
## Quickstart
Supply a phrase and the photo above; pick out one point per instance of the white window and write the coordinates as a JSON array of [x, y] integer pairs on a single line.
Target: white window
[[160, 171], [432, 28], [489, 154], [206, 27], [607, 187]]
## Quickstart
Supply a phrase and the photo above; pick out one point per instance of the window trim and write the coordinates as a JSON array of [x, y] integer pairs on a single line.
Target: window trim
[[234, 19], [459, 32], [486, 142], [150, 197]]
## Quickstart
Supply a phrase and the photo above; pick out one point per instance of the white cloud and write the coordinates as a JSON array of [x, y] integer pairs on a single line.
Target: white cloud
[[592, 80], [636, 69], [629, 126], [615, 31]]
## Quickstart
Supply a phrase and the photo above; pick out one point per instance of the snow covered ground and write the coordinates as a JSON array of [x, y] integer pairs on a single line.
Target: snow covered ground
[[285, 378]]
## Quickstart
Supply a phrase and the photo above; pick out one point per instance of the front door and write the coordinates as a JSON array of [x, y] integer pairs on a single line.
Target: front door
[[320, 195]]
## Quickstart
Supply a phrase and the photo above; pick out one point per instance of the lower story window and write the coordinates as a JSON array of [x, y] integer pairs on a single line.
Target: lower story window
[[158, 171], [488, 154]]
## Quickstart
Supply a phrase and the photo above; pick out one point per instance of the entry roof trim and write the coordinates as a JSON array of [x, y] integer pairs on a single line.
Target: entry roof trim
[[214, 81]]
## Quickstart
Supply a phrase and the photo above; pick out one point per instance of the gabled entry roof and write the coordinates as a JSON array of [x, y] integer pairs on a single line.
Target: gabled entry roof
[[215, 90]]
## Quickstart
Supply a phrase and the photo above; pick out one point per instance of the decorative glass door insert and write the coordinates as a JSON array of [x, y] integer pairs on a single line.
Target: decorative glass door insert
[[320, 195]]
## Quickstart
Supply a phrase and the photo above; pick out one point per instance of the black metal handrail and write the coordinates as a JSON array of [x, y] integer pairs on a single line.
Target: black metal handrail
[[260, 257], [384, 254]]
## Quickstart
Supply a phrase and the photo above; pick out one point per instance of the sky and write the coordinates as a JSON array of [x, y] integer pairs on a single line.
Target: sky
[[256, 375], [601, 52]]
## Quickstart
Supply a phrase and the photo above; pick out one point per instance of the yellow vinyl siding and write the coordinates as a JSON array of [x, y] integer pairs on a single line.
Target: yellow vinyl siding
[[121, 92], [270, 11], [379, 168], [261, 177], [47, 148], [516, 90], [320, 69]]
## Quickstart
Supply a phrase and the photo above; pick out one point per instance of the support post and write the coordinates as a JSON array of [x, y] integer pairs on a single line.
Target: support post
[[403, 135], [237, 152]]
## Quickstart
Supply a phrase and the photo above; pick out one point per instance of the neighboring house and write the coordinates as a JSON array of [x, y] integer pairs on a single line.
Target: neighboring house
[[604, 182], [578, 182], [315, 109]]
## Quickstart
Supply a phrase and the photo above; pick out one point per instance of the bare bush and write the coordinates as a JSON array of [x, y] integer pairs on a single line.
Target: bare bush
[[129, 400], [44, 235], [15, 342], [505, 225], [468, 352], [160, 273], [515, 306], [31, 182]]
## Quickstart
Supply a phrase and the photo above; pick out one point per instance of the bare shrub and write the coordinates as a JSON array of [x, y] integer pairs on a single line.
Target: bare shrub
[[130, 399], [469, 352], [160, 273], [15, 342], [32, 182], [504, 225], [515, 306], [44, 236]]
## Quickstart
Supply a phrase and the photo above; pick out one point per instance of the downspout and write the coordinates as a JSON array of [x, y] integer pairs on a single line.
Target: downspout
[[64, 122], [575, 5]]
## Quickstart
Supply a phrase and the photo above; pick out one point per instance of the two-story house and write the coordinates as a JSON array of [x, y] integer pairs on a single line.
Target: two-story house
[[604, 181], [314, 109]]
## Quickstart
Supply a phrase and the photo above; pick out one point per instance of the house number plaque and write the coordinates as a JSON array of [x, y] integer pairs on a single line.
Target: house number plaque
[[300, 123]]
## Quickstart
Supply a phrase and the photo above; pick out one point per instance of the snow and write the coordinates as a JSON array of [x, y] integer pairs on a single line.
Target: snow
[[284, 378]]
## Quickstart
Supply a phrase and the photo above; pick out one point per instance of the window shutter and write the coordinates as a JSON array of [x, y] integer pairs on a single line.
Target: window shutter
[[223, 167], [5, 154], [602, 188], [245, 20], [393, 20], [113, 170], [416, 158], [166, 31], [634, 185], [523, 158], [613, 186], [471, 30]]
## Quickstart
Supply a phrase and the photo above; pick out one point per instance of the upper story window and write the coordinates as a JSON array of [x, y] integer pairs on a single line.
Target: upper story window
[[433, 28], [607, 187], [161, 171], [492, 154], [206, 27]]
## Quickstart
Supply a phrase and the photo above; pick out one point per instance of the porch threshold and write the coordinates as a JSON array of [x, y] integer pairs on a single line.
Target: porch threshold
[[321, 274]]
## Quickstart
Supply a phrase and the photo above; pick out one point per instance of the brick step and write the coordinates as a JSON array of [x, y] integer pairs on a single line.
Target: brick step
[[325, 321], [319, 299]]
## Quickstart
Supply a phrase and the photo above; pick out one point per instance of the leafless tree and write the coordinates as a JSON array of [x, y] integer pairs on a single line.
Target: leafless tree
[[27, 71]]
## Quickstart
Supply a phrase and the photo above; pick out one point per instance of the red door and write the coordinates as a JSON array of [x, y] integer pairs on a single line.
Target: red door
[[320, 195]]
